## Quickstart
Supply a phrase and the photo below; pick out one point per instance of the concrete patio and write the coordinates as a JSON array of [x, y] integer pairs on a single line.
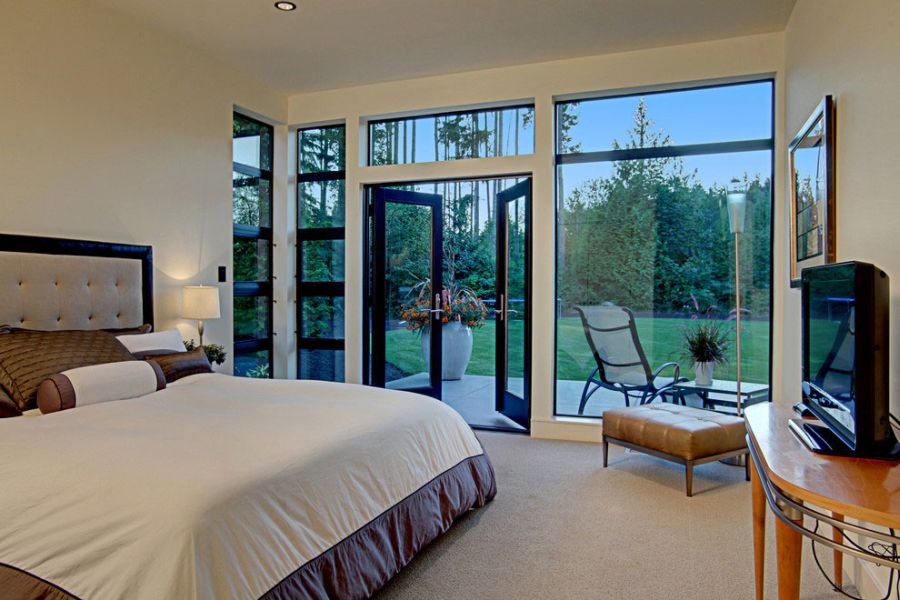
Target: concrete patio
[[473, 397]]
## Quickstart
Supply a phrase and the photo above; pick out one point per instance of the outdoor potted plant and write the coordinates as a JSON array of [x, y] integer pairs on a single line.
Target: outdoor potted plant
[[707, 344], [462, 310]]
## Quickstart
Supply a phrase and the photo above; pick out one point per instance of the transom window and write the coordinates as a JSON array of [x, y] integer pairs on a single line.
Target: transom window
[[452, 136]]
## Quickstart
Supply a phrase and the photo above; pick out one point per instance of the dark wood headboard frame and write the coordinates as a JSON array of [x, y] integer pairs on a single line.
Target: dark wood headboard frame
[[50, 245]]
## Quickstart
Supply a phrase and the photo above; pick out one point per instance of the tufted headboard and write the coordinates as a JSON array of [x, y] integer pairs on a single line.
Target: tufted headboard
[[54, 283]]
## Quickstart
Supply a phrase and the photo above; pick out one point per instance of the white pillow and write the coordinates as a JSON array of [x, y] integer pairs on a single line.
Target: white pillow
[[163, 340], [99, 383]]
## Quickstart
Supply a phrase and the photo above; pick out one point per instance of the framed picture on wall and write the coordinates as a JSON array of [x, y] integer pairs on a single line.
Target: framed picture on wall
[[812, 209]]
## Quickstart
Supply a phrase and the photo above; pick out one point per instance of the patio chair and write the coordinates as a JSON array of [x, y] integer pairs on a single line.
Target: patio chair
[[621, 363]]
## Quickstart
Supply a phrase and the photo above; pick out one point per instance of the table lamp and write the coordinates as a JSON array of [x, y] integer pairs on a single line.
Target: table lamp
[[737, 211], [200, 302]]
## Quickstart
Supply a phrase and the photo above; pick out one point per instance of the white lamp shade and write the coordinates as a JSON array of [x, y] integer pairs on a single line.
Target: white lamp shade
[[737, 206], [200, 302], [737, 211]]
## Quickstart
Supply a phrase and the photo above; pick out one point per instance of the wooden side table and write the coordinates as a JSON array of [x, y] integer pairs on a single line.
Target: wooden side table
[[799, 485]]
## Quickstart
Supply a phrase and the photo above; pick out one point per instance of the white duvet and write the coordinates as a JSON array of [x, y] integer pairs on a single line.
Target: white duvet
[[214, 487]]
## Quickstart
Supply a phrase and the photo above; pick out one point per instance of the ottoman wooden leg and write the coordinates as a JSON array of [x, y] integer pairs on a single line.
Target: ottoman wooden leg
[[605, 452], [689, 477]]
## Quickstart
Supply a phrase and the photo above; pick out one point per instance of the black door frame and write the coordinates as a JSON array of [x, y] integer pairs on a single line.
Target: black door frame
[[507, 403], [383, 196], [370, 276]]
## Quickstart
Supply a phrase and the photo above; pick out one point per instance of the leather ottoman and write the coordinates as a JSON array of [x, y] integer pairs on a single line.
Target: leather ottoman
[[688, 436]]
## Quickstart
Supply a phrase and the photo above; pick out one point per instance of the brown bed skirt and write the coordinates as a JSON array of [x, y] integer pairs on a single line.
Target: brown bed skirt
[[357, 566], [360, 564]]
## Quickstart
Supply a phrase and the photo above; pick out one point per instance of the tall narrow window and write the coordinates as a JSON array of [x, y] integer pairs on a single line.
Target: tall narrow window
[[645, 252], [252, 150], [320, 253], [488, 133]]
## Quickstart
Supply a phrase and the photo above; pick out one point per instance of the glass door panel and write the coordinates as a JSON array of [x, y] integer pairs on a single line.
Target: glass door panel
[[513, 302], [406, 348]]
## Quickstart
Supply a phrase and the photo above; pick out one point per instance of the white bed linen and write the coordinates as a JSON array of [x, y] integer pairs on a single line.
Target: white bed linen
[[213, 487]]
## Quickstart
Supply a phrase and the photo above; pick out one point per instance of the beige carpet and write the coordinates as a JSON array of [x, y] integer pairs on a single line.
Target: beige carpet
[[563, 527]]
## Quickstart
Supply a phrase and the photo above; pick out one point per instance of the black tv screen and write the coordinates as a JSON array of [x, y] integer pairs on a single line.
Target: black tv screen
[[845, 353], [831, 330]]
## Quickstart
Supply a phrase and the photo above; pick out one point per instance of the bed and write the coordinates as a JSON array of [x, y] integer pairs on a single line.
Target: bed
[[214, 487]]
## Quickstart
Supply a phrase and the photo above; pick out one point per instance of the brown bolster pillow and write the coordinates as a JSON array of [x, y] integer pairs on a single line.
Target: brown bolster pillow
[[27, 358], [181, 364], [8, 408], [99, 383]]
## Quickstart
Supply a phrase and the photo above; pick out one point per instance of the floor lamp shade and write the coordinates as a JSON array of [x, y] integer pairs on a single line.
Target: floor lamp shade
[[200, 302], [737, 207]]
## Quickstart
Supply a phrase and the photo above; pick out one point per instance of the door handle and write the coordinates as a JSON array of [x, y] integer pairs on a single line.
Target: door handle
[[437, 302], [499, 313]]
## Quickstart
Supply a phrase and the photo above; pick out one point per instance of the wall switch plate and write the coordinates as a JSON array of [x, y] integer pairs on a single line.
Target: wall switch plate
[[222, 275]]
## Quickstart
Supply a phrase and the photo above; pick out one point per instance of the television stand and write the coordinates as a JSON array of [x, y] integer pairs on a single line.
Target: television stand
[[845, 496], [820, 438]]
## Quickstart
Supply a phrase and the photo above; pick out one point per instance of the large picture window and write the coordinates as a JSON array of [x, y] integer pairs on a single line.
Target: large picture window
[[487, 133], [644, 250], [320, 253], [252, 150]]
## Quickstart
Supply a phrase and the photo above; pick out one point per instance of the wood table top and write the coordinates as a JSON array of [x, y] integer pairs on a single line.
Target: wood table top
[[859, 488]]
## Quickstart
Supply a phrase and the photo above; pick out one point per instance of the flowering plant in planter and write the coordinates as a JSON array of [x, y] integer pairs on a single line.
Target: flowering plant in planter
[[461, 311], [457, 303]]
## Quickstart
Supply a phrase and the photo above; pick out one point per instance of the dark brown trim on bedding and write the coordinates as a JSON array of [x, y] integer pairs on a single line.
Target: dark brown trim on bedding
[[359, 565], [16, 583]]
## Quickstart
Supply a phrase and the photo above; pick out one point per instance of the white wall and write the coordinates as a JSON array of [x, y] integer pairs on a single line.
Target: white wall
[[541, 83], [851, 50], [111, 131]]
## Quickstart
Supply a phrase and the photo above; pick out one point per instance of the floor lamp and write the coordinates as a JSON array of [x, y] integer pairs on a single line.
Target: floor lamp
[[737, 210]]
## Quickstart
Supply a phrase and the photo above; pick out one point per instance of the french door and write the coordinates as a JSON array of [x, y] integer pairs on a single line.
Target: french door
[[408, 288], [407, 271], [513, 304]]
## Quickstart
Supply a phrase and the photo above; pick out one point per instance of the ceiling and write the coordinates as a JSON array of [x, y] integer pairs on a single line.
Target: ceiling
[[337, 43]]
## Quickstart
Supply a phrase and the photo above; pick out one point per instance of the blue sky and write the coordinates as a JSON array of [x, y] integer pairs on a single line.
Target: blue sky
[[720, 114], [717, 114]]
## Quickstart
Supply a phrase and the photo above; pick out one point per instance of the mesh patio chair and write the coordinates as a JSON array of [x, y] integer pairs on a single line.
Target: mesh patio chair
[[621, 363]]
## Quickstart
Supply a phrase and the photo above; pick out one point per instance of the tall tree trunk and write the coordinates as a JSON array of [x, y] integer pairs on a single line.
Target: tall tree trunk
[[500, 133], [436, 129], [517, 131], [404, 143], [396, 142]]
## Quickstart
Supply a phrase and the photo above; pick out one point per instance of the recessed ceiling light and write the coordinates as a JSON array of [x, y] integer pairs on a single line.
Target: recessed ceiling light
[[286, 6]]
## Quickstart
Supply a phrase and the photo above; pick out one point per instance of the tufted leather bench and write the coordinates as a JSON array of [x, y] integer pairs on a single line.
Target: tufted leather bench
[[684, 435]]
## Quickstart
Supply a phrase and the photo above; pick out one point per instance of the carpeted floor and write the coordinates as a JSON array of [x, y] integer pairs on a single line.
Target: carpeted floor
[[563, 527]]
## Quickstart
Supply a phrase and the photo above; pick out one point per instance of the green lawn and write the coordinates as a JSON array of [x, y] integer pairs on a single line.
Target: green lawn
[[661, 339]]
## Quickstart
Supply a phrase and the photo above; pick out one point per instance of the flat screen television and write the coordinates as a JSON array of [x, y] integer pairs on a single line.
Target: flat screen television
[[845, 358]]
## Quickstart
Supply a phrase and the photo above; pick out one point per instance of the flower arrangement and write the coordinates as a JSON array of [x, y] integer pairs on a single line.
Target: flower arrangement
[[214, 352], [457, 304]]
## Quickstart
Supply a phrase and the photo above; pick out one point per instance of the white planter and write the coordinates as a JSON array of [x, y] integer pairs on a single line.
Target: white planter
[[456, 349], [703, 372]]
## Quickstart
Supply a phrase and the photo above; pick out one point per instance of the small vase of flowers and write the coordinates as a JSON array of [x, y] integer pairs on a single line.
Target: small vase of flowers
[[214, 352]]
